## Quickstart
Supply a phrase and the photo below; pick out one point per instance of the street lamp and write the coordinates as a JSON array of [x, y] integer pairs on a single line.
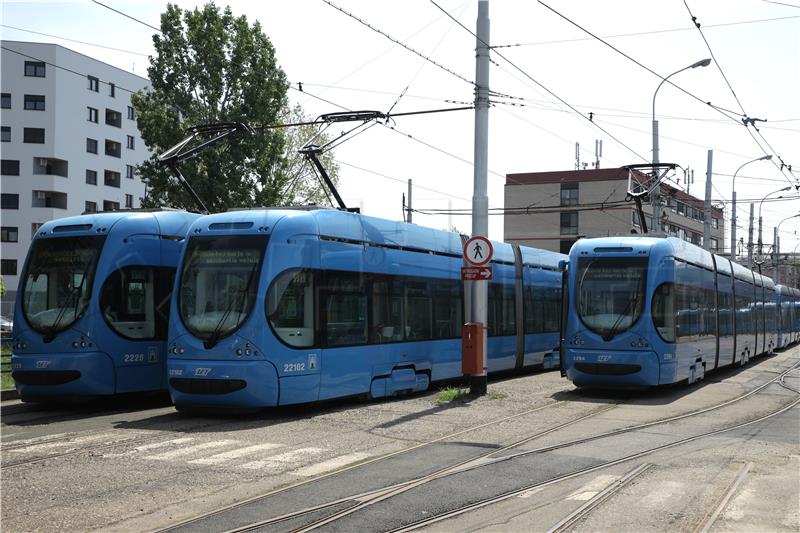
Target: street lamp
[[733, 203], [778, 248], [655, 199], [788, 188]]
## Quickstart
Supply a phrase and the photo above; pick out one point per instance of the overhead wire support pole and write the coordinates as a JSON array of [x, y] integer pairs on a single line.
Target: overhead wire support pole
[[480, 199]]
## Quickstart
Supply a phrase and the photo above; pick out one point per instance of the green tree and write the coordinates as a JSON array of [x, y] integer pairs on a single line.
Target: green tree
[[210, 66], [303, 187]]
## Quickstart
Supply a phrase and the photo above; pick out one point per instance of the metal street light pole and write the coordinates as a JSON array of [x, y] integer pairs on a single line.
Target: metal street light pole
[[733, 203], [778, 248], [655, 200], [788, 188]]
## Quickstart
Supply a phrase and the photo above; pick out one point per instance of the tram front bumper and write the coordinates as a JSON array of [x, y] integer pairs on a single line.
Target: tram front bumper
[[602, 368], [53, 376], [222, 384]]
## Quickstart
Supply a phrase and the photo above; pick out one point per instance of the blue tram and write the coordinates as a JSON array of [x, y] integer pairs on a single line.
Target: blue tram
[[789, 315], [92, 310], [282, 306], [649, 310]]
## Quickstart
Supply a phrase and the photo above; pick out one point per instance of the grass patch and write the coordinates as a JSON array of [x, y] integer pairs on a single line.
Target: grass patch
[[451, 394], [6, 381], [497, 395]]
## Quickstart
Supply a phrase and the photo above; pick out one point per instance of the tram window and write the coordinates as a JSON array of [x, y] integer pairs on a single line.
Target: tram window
[[128, 301], [344, 308], [501, 310], [290, 307], [447, 308], [418, 310], [663, 314], [387, 311]]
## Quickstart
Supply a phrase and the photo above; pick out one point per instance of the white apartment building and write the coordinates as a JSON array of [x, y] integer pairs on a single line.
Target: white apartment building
[[70, 144]]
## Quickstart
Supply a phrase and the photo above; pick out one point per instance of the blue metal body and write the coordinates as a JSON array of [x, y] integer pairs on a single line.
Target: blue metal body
[[788, 303], [259, 364], [692, 313], [88, 357]]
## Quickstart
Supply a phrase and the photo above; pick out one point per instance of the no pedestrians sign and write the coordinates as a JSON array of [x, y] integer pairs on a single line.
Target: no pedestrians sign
[[478, 251]]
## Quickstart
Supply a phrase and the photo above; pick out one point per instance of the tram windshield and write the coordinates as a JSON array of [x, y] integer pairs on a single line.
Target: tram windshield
[[58, 282], [218, 284], [611, 293]]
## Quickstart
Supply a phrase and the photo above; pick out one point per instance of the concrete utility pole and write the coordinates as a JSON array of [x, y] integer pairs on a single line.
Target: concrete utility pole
[[707, 205], [750, 238], [480, 199]]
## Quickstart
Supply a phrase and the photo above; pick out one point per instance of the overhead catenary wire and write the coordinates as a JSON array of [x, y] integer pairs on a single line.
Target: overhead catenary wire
[[74, 40], [527, 75], [127, 16]]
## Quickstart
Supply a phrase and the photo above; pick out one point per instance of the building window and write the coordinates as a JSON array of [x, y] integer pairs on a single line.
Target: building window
[[8, 267], [131, 113], [94, 83], [569, 194], [9, 234], [33, 135], [92, 114], [35, 69], [91, 207], [9, 200], [565, 246], [113, 148], [5, 134], [129, 201], [113, 118], [9, 167], [91, 177], [34, 102], [569, 223], [112, 89], [715, 245], [5, 100], [715, 223], [130, 144], [91, 145], [129, 171], [108, 205], [111, 178]]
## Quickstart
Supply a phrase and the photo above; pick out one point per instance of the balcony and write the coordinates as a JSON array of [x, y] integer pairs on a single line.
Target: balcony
[[50, 166], [51, 199]]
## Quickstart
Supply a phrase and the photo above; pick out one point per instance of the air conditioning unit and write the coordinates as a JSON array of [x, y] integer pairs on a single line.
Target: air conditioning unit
[[41, 195]]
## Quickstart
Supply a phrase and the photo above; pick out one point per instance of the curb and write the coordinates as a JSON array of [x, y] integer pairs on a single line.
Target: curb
[[10, 394]]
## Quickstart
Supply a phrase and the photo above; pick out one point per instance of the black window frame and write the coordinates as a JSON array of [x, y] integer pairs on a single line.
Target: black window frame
[[33, 135], [131, 113], [91, 177], [91, 145], [162, 280], [34, 102], [5, 100], [113, 118], [94, 114], [7, 232], [94, 83], [35, 67], [128, 201], [130, 142], [5, 134], [8, 267], [6, 200], [113, 148], [89, 206], [9, 167], [569, 194], [112, 178], [568, 228]]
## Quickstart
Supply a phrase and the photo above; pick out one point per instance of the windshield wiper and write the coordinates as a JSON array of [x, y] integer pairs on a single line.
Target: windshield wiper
[[69, 300], [618, 322], [215, 335]]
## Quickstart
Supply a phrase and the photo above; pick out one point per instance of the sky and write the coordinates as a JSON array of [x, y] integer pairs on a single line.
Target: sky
[[547, 74]]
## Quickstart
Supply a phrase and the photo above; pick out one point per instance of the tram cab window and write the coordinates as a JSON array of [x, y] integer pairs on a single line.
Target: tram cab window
[[135, 302], [290, 307]]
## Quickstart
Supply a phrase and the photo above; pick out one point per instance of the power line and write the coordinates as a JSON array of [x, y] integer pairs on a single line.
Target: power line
[[126, 15], [85, 76], [524, 73], [74, 40], [636, 34], [398, 42]]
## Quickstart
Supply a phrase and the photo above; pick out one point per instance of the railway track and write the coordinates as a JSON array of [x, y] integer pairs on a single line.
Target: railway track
[[351, 504]]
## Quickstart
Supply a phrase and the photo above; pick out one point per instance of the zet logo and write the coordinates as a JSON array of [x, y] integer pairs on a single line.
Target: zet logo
[[202, 371]]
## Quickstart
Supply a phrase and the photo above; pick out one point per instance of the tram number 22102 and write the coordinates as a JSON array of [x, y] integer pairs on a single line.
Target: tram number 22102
[[294, 367]]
